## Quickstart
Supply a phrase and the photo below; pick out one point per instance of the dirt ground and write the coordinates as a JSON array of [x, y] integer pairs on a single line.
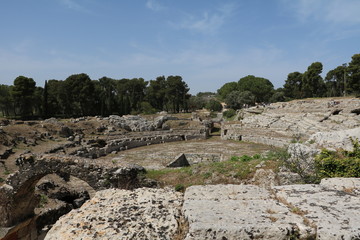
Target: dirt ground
[[159, 155], [38, 137]]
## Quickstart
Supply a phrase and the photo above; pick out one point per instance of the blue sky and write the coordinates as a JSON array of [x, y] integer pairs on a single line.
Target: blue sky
[[207, 42]]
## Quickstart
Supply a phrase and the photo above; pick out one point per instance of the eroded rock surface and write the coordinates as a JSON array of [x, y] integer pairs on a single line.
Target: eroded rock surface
[[280, 123], [121, 214], [239, 212], [336, 139], [335, 213], [328, 211]]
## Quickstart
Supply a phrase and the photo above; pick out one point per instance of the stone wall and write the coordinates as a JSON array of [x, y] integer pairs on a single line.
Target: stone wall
[[158, 137]]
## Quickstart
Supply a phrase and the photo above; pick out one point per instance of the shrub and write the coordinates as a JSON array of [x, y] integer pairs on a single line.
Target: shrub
[[146, 108], [245, 158], [331, 164], [234, 158], [229, 113], [214, 105], [340, 163]]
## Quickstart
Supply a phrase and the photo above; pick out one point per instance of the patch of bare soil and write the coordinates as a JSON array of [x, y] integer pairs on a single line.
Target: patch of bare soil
[[159, 155]]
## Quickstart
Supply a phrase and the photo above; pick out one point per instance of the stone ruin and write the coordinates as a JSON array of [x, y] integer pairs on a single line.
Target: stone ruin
[[18, 201], [279, 124], [328, 211]]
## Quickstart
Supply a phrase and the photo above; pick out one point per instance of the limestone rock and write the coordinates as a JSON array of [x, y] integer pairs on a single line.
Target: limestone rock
[[336, 139], [239, 212], [334, 213], [160, 120], [283, 122], [302, 157], [349, 185], [265, 178], [132, 123], [121, 214]]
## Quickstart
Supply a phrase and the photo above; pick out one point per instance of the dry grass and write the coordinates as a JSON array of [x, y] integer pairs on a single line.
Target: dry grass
[[272, 218], [226, 172], [159, 155]]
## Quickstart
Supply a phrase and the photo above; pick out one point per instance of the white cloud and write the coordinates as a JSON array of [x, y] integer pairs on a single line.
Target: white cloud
[[74, 5], [154, 5], [331, 11], [208, 22]]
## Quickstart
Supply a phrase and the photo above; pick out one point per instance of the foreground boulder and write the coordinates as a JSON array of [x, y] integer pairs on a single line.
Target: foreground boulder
[[122, 214], [239, 212], [336, 139], [335, 214], [329, 210]]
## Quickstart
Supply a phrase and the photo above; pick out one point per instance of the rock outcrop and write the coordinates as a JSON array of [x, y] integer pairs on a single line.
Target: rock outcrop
[[336, 139], [121, 214], [280, 123], [239, 212], [21, 184], [328, 211]]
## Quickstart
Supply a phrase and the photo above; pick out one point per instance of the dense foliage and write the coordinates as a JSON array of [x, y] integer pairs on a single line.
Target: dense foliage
[[229, 113], [78, 95], [214, 105], [339, 164], [341, 81]]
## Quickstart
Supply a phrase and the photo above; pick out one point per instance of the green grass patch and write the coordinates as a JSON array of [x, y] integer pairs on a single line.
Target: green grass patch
[[43, 201], [233, 171]]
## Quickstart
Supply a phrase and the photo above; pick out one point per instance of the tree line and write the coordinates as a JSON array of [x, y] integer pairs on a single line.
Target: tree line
[[341, 81], [78, 95]]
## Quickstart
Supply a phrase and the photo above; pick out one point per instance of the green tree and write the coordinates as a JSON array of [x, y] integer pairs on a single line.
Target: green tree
[[214, 105], [123, 99], [136, 92], [278, 96], [58, 102], [196, 103], [156, 93], [45, 104], [312, 82], [226, 89], [334, 82], [236, 99], [261, 88], [177, 93], [146, 108], [38, 100], [107, 92], [293, 85], [23, 94], [80, 89], [353, 81], [6, 100]]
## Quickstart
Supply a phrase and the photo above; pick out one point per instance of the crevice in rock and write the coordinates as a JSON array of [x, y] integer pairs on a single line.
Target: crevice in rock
[[356, 111], [183, 228]]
